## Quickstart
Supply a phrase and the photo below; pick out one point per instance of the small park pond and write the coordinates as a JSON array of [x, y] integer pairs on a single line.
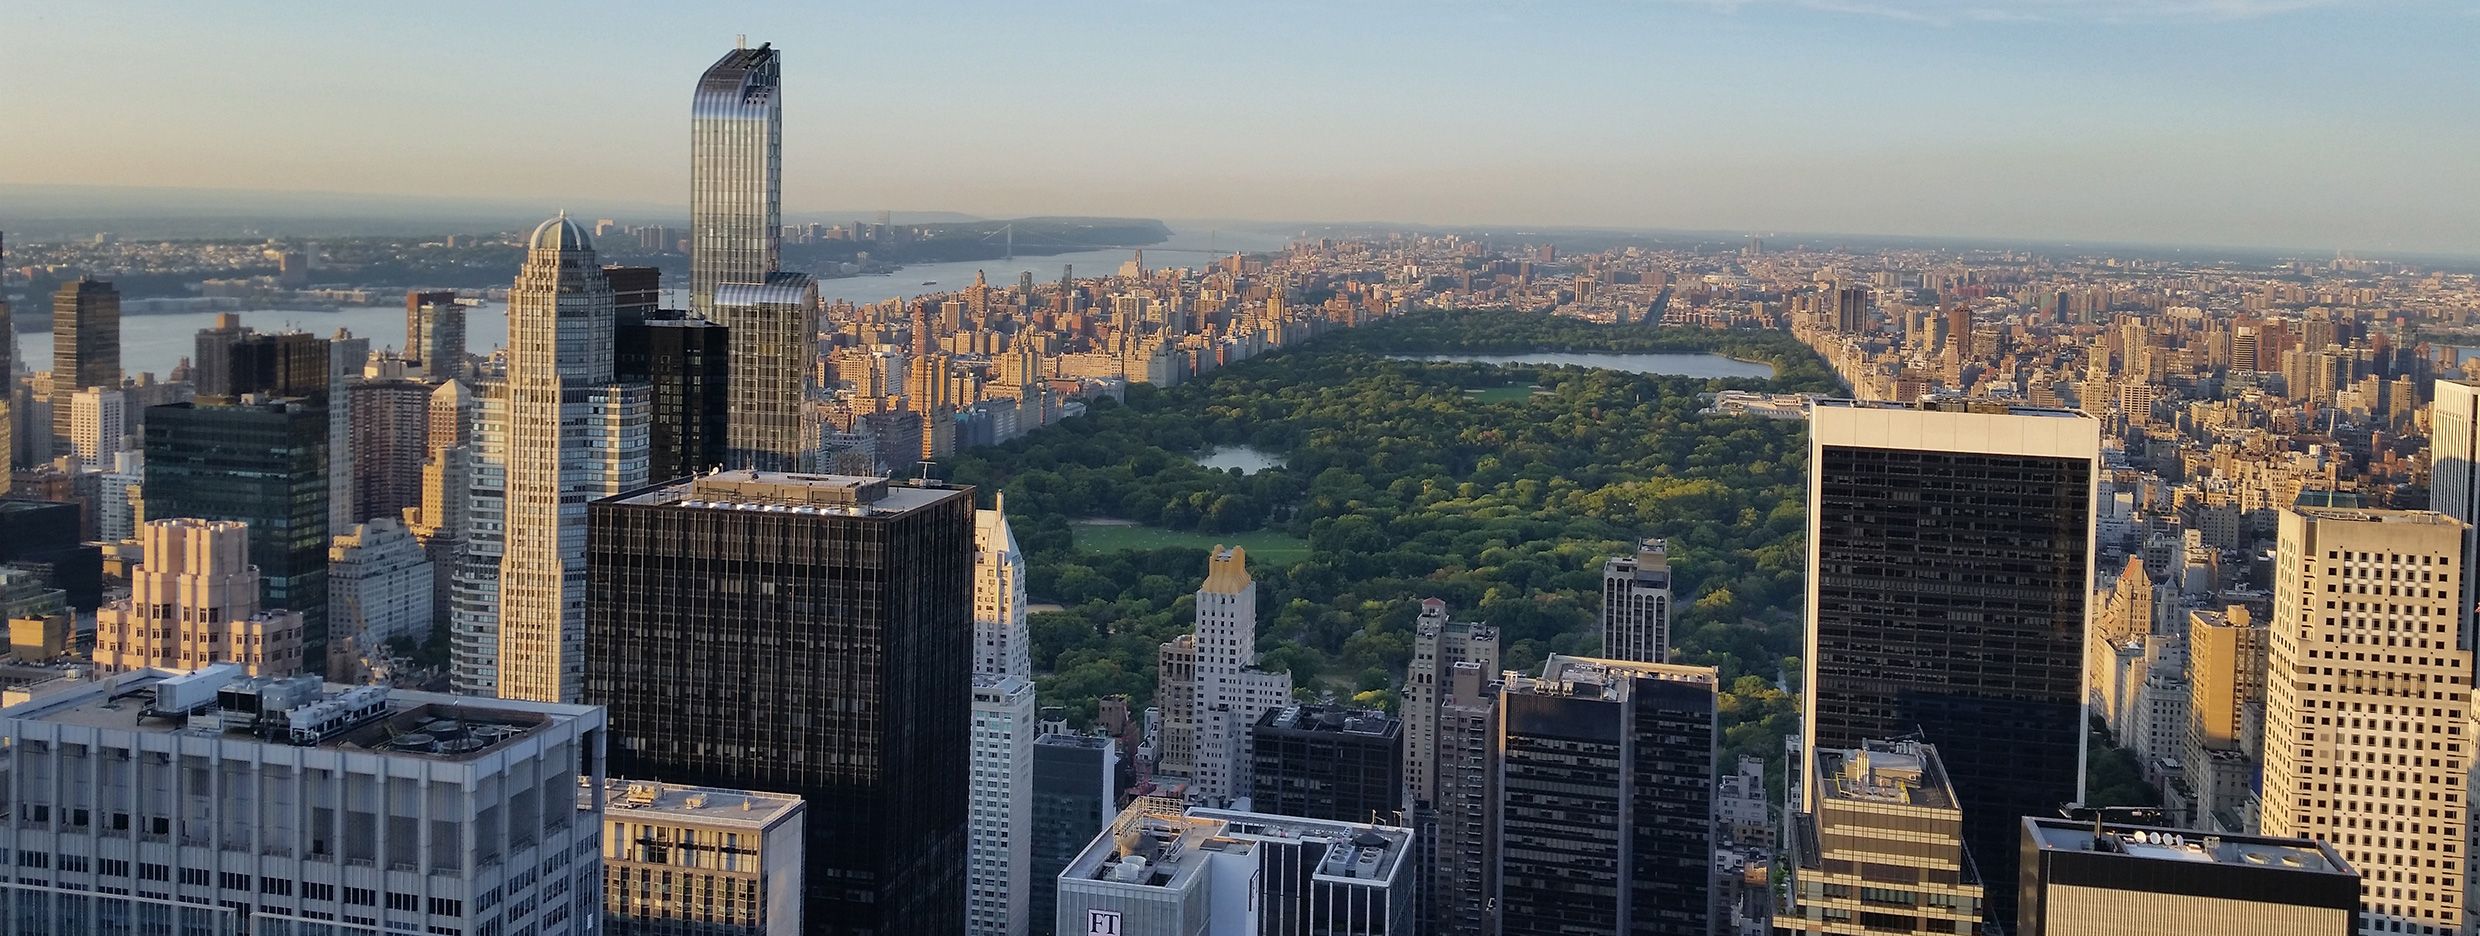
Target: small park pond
[[1248, 460]]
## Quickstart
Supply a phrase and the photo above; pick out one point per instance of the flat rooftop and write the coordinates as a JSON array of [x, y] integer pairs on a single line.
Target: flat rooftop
[[793, 492], [2358, 515], [1605, 679], [428, 725], [1906, 773], [1970, 405], [2150, 843], [1151, 849], [654, 801], [1331, 718], [1355, 851]]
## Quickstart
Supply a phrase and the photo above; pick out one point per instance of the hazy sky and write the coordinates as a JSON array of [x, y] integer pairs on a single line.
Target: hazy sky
[[2247, 122]]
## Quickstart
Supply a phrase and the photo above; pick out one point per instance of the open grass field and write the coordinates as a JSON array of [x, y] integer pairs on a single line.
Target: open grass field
[[1262, 546], [1511, 393]]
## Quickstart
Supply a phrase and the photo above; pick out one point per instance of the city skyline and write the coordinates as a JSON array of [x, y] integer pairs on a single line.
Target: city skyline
[[2140, 123]]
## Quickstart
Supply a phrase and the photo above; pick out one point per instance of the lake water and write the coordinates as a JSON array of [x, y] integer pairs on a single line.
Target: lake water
[[154, 343], [1249, 460], [1707, 366]]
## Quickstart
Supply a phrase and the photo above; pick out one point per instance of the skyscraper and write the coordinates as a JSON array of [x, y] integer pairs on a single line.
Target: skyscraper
[[264, 464], [2454, 482], [1001, 645], [736, 136], [809, 634], [2226, 654], [1229, 691], [1072, 799], [389, 435], [1606, 779], [2095, 879], [345, 357], [378, 590], [1636, 604], [86, 337], [688, 364], [773, 329], [435, 334], [1851, 310], [1881, 848], [1327, 762], [573, 434], [1950, 563], [2368, 713], [999, 878], [1462, 875], [193, 603]]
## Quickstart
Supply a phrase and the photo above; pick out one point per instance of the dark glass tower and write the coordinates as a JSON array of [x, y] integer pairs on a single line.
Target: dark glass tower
[[86, 338], [265, 465], [807, 634], [1327, 762], [736, 173], [1605, 806], [688, 362], [1951, 557], [234, 361], [1072, 801]]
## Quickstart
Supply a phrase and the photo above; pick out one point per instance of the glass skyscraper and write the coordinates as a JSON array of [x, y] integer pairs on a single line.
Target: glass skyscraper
[[264, 464], [1950, 559], [736, 138]]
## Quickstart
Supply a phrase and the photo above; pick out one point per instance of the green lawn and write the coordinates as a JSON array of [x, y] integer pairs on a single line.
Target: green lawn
[[1507, 394], [1262, 546]]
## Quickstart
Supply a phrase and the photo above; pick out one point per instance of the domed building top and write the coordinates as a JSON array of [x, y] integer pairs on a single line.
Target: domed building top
[[560, 234]]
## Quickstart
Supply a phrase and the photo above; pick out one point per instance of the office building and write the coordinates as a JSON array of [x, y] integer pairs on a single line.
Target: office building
[[378, 590], [1226, 693], [687, 363], [1463, 862], [1880, 849], [2222, 765], [809, 634], [97, 427], [1950, 558], [1596, 747], [1218, 872], [2454, 479], [120, 497], [435, 334], [572, 434], [1001, 644], [2366, 668], [389, 437], [235, 361], [999, 881], [736, 130], [86, 338], [1438, 644], [772, 330], [1074, 794], [2091, 879], [211, 798], [473, 592], [345, 357], [43, 536], [195, 602], [1327, 762], [1636, 604], [263, 464], [699, 861], [636, 292]]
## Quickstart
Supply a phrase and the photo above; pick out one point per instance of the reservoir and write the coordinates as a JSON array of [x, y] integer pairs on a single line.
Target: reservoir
[[1249, 460]]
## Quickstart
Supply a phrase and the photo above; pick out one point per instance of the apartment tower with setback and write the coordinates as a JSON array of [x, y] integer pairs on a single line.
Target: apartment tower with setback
[[1636, 604], [1227, 693], [572, 434], [736, 237], [812, 635], [194, 603], [1950, 565], [2454, 478], [2368, 727], [1001, 645]]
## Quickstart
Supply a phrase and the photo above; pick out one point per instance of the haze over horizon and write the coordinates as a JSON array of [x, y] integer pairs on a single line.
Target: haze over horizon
[[2339, 125]]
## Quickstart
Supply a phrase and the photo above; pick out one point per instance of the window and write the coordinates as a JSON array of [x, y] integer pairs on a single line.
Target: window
[[112, 867], [281, 887], [311, 890], [193, 876], [231, 881], [361, 897], [445, 906], [409, 903]]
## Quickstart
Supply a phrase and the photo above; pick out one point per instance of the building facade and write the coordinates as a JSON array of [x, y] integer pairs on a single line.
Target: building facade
[[378, 590], [1605, 819], [736, 129], [262, 462], [698, 861], [1636, 604], [86, 338], [1001, 644], [773, 328], [809, 634], [195, 602], [1950, 566], [999, 881], [2367, 668], [687, 363], [1074, 795], [1327, 762], [389, 434], [1880, 850], [573, 434], [2087, 879]]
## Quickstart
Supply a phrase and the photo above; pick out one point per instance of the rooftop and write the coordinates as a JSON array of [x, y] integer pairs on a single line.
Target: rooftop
[[2150, 843], [220, 702], [2356, 515], [1151, 849], [1906, 773], [647, 801], [1990, 407], [1372, 852], [1334, 718], [792, 492], [1606, 679]]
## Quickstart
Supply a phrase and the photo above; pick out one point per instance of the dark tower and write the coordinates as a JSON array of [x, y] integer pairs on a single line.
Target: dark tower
[[1327, 762], [808, 634], [264, 464], [688, 361]]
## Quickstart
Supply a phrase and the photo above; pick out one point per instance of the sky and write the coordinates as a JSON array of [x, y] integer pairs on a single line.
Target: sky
[[2283, 123]]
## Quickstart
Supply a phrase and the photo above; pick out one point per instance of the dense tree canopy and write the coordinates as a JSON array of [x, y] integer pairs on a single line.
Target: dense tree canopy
[[1407, 484]]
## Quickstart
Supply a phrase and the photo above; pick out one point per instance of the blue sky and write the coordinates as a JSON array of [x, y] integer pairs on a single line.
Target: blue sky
[[2248, 122]]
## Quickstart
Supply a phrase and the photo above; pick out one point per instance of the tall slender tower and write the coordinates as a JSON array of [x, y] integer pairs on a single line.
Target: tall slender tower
[[1001, 645], [572, 435], [2454, 482], [1636, 604], [1231, 692], [86, 338], [736, 136], [1950, 566]]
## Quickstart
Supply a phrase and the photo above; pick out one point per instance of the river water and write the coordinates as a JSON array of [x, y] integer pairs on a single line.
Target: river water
[[154, 343]]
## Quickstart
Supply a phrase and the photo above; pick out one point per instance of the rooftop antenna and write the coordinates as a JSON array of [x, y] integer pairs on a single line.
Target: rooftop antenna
[[740, 41]]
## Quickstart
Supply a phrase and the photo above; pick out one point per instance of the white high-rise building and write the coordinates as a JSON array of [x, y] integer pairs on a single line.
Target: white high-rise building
[[1001, 646], [203, 802], [378, 590], [1230, 691], [1636, 605], [2454, 477], [345, 358], [999, 873], [119, 497], [97, 419], [2368, 715], [573, 435], [473, 596]]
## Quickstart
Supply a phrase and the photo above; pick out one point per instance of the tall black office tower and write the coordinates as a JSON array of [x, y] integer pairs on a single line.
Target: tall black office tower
[[264, 464], [1327, 762], [1950, 556], [1605, 800], [807, 634], [1073, 799], [688, 362]]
